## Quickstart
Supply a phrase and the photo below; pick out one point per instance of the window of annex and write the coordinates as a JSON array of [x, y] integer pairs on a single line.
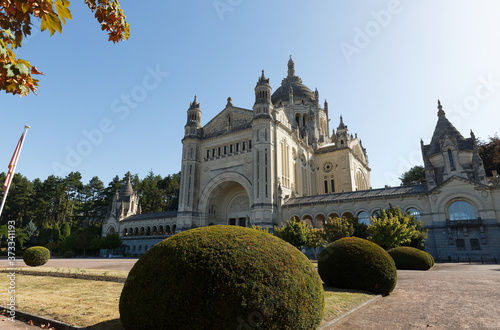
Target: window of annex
[[415, 212], [364, 217], [461, 210]]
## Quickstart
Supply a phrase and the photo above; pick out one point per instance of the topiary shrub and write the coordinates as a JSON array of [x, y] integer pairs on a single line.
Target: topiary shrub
[[407, 257], [69, 254], [36, 256], [355, 263], [222, 277]]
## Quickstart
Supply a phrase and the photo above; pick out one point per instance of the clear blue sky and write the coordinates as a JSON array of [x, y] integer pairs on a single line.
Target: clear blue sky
[[384, 80]]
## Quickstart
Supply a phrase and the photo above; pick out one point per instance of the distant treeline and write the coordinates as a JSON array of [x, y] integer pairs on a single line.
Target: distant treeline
[[57, 200]]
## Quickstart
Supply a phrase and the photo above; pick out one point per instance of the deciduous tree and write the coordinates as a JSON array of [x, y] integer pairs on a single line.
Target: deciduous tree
[[490, 154], [317, 238], [294, 232], [336, 228], [392, 229], [16, 16], [415, 175]]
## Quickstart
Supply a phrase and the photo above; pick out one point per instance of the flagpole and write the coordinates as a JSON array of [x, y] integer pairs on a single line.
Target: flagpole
[[13, 169]]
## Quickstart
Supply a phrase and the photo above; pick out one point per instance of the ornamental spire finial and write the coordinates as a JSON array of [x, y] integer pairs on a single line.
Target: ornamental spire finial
[[441, 113], [291, 67]]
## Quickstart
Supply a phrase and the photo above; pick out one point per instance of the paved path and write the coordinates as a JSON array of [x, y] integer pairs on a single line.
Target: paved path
[[450, 296], [88, 263]]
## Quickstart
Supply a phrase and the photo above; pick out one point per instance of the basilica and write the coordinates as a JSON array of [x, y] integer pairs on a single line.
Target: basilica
[[281, 160]]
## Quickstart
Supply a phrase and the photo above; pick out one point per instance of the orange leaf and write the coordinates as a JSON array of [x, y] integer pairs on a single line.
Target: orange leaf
[[34, 70]]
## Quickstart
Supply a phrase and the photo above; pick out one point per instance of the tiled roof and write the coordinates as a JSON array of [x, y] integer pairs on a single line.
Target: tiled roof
[[357, 195], [151, 216]]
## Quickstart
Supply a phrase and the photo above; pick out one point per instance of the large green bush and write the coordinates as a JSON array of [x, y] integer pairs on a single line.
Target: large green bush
[[222, 277], [356, 263], [36, 256], [407, 257]]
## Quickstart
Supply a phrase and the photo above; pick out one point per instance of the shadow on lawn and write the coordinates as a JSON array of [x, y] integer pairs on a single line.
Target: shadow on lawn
[[107, 325]]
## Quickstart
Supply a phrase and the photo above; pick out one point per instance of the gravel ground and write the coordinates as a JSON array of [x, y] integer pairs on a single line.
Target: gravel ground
[[450, 296], [90, 263]]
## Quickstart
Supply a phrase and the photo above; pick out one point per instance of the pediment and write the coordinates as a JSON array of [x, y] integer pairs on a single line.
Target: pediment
[[452, 183], [228, 119]]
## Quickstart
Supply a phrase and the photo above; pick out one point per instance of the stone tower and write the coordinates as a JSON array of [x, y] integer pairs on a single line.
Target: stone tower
[[263, 210], [190, 168]]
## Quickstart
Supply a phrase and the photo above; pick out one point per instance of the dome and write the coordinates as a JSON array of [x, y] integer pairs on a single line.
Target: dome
[[300, 91], [127, 189]]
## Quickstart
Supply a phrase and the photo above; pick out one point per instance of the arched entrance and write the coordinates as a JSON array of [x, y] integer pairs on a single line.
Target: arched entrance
[[238, 210], [225, 200]]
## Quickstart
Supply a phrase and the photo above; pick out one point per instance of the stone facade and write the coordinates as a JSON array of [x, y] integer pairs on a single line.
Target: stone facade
[[278, 161]]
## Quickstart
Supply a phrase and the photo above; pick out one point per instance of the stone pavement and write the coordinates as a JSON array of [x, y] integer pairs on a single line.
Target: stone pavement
[[450, 296]]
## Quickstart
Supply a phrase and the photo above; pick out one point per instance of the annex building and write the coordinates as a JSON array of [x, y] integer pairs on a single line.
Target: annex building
[[281, 160]]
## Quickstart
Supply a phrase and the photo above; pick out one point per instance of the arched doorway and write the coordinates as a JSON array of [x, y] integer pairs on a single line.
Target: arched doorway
[[238, 210], [226, 200], [229, 205]]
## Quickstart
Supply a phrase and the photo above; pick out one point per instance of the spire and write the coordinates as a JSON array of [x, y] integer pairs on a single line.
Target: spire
[[291, 68], [194, 104], [263, 79], [326, 106], [127, 188], [341, 125], [441, 113], [444, 129]]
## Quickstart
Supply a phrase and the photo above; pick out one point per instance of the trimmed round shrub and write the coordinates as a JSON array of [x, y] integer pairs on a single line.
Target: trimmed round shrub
[[407, 257], [36, 256], [69, 254], [222, 277], [355, 263]]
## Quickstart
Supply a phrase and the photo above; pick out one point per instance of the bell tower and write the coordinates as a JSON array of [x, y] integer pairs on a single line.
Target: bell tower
[[190, 170], [264, 187]]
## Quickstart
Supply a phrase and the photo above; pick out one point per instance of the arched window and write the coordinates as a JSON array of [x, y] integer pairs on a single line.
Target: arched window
[[364, 217], [125, 232], [415, 212], [347, 215], [461, 210]]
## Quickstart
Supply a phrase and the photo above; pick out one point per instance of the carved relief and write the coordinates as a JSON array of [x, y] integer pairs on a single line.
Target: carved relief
[[239, 204]]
